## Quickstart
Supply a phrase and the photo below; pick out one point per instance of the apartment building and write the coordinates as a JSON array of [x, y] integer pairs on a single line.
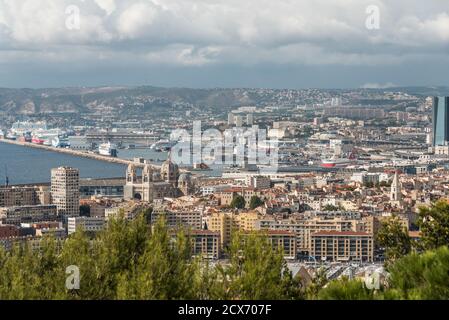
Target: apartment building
[[88, 224], [258, 182], [193, 219], [23, 196], [279, 239], [129, 209], [226, 222], [285, 240], [28, 214], [342, 246], [246, 221], [304, 227], [205, 243], [223, 223], [65, 192], [226, 196]]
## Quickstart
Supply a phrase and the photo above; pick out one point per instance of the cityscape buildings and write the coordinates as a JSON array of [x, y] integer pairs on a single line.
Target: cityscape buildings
[[341, 174], [65, 191], [187, 150]]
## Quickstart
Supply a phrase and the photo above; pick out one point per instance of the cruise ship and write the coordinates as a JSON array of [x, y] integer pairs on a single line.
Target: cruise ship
[[107, 149], [37, 140], [335, 162]]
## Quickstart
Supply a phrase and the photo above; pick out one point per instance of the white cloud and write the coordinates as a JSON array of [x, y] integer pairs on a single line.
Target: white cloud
[[198, 32], [107, 5], [137, 20]]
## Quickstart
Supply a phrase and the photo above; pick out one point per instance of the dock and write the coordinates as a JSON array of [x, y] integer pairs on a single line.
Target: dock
[[75, 153]]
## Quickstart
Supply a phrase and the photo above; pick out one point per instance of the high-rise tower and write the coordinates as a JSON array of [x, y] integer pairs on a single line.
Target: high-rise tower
[[440, 121], [65, 192]]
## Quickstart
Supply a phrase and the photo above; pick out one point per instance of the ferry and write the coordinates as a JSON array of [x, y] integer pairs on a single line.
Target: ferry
[[335, 162], [107, 149], [10, 136], [37, 140]]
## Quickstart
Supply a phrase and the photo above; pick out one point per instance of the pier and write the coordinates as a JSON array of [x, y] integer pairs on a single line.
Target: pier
[[76, 153]]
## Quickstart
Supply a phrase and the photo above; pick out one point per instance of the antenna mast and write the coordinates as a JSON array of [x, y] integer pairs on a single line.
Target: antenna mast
[[6, 176]]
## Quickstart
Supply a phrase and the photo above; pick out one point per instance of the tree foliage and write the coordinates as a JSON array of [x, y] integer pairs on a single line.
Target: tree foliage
[[421, 276], [238, 202], [130, 260], [417, 276], [256, 271], [434, 225], [330, 207], [346, 289], [255, 202], [393, 236]]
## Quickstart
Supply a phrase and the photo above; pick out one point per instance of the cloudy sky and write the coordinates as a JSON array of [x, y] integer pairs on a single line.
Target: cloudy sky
[[224, 43]]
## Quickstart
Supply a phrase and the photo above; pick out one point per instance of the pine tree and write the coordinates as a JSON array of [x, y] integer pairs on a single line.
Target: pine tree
[[420, 276], [165, 269], [434, 225], [345, 289], [394, 238], [238, 202], [255, 202], [257, 271]]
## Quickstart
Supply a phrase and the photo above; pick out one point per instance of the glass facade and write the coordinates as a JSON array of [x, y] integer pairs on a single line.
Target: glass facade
[[440, 121]]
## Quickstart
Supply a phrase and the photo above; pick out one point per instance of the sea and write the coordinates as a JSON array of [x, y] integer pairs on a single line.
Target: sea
[[27, 165]]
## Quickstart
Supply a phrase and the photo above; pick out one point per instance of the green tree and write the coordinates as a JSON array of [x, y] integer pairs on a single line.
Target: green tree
[[433, 223], [117, 249], [256, 271], [385, 184], [330, 207], [29, 274], [85, 211], [238, 202], [165, 270], [255, 202], [318, 283], [420, 276], [369, 184], [346, 289], [78, 251], [393, 236]]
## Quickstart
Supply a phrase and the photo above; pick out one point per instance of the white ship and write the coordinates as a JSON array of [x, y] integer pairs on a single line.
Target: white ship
[[108, 149], [335, 162]]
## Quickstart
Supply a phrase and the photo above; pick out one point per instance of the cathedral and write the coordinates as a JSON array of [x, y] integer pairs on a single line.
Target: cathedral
[[168, 183]]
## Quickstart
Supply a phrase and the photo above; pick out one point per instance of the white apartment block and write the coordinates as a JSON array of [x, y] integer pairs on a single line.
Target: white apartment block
[[88, 224]]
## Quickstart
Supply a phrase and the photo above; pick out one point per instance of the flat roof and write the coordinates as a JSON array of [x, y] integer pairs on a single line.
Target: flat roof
[[341, 233]]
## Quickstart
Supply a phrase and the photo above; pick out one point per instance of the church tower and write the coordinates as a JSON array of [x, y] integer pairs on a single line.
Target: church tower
[[395, 191], [131, 176], [147, 183], [170, 172], [147, 174]]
